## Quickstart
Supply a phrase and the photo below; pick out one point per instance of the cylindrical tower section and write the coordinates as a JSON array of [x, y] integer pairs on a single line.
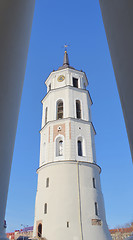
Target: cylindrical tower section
[[69, 202]]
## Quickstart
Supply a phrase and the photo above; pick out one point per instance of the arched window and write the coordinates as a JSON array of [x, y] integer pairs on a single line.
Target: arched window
[[59, 147], [46, 114], [78, 109], [40, 230], [80, 150], [59, 109]]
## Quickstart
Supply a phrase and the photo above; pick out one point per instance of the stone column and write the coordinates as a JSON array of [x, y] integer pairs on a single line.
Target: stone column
[[15, 30], [118, 23]]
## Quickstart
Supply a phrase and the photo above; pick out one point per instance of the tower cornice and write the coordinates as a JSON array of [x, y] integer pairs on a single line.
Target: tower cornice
[[89, 164], [71, 119], [68, 86], [54, 72]]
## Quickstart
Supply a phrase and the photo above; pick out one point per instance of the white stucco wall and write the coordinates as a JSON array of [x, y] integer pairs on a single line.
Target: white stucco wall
[[69, 74], [78, 128], [68, 95], [70, 197]]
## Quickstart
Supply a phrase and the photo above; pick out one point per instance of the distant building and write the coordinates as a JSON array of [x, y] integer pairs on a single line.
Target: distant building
[[11, 235], [116, 234], [121, 233], [26, 232]]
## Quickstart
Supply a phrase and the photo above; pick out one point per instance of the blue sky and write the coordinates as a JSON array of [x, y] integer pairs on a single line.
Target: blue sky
[[80, 25]]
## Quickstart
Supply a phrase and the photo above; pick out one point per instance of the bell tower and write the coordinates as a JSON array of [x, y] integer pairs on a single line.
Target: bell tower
[[69, 202]]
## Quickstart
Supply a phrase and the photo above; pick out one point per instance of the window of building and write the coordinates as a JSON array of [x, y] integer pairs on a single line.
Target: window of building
[[75, 82], [96, 208], [80, 153], [47, 182], [94, 182], [67, 224], [46, 114], [49, 86], [60, 109], [59, 146], [81, 147], [78, 109], [45, 208], [39, 230]]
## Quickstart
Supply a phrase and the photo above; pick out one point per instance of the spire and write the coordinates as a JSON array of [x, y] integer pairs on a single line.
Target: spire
[[66, 60]]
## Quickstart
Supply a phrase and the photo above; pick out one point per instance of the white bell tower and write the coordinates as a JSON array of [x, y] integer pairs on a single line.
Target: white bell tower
[[69, 202]]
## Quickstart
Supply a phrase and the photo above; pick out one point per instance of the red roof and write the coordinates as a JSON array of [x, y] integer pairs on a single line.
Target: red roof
[[122, 230], [12, 235]]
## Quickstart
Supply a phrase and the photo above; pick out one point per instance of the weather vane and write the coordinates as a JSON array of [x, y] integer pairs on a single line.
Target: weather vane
[[66, 46]]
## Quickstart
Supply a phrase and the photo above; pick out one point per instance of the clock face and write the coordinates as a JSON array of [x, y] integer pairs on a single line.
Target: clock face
[[61, 78]]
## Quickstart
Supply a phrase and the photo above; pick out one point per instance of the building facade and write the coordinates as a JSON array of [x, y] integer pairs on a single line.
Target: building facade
[[25, 232], [122, 233], [69, 202], [116, 233]]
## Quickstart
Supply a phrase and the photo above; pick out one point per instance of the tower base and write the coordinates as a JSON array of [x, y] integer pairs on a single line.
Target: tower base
[[66, 209]]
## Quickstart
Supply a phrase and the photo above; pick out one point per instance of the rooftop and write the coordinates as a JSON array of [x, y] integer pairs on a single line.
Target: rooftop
[[65, 62]]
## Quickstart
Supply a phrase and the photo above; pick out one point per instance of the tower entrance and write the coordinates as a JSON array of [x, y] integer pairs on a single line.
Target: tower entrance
[[39, 230]]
